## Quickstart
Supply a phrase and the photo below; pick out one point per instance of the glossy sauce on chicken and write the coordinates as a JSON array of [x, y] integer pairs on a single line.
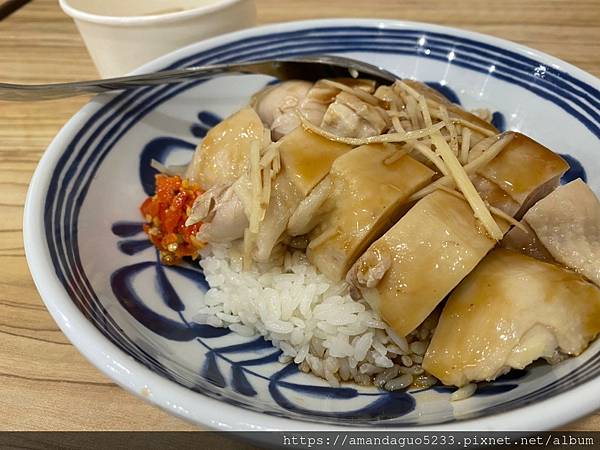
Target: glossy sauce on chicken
[[510, 311], [427, 253], [405, 195]]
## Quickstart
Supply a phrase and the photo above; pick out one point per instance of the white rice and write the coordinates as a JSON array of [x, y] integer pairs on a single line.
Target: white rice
[[315, 323]]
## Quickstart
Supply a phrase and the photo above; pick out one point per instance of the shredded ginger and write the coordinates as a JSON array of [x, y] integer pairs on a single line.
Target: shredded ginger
[[464, 184], [379, 139], [472, 167]]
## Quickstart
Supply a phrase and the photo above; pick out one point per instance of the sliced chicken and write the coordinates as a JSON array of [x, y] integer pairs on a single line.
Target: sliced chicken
[[507, 313], [387, 95], [565, 225], [350, 116], [431, 249], [222, 156], [318, 98], [285, 197], [277, 104], [526, 241], [322, 94], [492, 194], [276, 99], [525, 170], [307, 157], [369, 192], [311, 209], [223, 215]]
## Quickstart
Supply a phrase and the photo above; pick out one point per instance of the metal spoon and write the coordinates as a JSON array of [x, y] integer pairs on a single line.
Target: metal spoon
[[302, 67]]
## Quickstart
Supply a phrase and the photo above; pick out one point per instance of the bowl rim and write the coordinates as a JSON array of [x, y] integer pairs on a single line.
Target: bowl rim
[[193, 407], [151, 19]]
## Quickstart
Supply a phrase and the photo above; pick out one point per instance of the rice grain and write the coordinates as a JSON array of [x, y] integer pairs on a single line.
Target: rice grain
[[315, 323]]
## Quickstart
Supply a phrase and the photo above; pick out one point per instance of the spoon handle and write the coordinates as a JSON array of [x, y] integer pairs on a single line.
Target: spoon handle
[[305, 68]]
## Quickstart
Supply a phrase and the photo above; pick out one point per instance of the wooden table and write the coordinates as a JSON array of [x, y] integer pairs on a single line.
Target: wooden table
[[45, 384]]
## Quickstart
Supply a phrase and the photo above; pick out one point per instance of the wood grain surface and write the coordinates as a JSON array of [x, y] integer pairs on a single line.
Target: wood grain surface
[[45, 384]]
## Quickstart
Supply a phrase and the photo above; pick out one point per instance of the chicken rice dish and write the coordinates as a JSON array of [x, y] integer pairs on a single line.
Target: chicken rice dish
[[382, 235]]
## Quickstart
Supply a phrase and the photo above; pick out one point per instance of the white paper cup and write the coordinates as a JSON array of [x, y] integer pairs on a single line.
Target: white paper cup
[[121, 35]]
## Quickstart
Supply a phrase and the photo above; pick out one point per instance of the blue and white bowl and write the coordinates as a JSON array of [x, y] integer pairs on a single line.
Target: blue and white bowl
[[131, 317]]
